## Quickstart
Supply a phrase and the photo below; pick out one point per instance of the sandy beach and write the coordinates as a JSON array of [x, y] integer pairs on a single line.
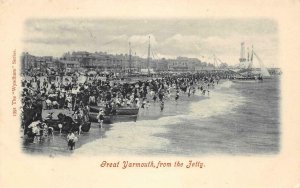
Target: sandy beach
[[191, 126], [57, 145]]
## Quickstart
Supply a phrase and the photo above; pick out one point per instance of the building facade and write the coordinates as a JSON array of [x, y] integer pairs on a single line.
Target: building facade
[[102, 61]]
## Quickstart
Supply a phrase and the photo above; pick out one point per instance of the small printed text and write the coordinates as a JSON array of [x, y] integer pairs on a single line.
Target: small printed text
[[14, 84], [152, 164]]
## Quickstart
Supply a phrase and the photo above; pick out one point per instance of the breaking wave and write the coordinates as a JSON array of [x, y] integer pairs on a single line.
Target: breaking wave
[[139, 137]]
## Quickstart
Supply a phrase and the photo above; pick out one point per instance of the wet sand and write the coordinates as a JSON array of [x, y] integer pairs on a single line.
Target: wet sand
[[57, 145]]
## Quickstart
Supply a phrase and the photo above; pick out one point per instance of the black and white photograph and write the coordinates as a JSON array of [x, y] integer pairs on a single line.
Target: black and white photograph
[[150, 87], [149, 93]]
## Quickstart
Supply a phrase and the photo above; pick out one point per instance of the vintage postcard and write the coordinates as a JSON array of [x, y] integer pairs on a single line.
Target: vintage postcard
[[149, 93]]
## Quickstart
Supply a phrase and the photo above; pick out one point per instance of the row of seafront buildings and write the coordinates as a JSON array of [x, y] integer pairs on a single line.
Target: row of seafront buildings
[[102, 61]]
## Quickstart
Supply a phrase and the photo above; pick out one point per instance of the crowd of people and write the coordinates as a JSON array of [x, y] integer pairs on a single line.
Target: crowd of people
[[76, 96]]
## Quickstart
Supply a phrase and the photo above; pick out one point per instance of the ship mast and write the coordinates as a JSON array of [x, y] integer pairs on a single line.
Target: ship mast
[[215, 61], [148, 59], [248, 54], [242, 57], [129, 58], [252, 54], [251, 58]]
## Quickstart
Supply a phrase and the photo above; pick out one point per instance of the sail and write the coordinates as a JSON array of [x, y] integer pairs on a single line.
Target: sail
[[263, 69], [265, 72]]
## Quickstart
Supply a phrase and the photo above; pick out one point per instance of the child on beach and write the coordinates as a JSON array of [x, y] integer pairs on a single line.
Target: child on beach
[[69, 103], [143, 103], [162, 105], [148, 105], [177, 96], [100, 117], [154, 98], [169, 95], [72, 139], [194, 90]]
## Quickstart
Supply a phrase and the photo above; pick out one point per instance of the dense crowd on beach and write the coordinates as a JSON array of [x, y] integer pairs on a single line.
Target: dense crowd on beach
[[77, 93]]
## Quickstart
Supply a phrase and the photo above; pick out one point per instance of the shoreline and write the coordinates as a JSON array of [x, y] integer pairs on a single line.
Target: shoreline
[[57, 145], [180, 129]]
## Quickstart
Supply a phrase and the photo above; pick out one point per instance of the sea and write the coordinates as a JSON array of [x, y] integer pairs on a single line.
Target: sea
[[235, 119]]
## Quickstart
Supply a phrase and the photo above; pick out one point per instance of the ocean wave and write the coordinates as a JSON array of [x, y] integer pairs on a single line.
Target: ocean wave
[[138, 137], [126, 139], [131, 137], [225, 84], [216, 104]]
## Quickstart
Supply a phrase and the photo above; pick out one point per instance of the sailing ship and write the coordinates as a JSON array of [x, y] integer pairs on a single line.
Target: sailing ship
[[246, 72]]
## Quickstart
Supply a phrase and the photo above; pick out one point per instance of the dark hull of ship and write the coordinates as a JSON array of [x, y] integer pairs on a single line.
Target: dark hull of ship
[[109, 119], [119, 111]]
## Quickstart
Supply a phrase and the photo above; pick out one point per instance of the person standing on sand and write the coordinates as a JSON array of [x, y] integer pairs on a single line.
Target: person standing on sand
[[177, 96], [100, 117], [69, 102], [162, 105], [72, 139], [148, 105], [154, 97], [143, 103]]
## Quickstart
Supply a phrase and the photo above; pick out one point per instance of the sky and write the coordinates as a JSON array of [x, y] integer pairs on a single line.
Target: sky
[[170, 38]]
